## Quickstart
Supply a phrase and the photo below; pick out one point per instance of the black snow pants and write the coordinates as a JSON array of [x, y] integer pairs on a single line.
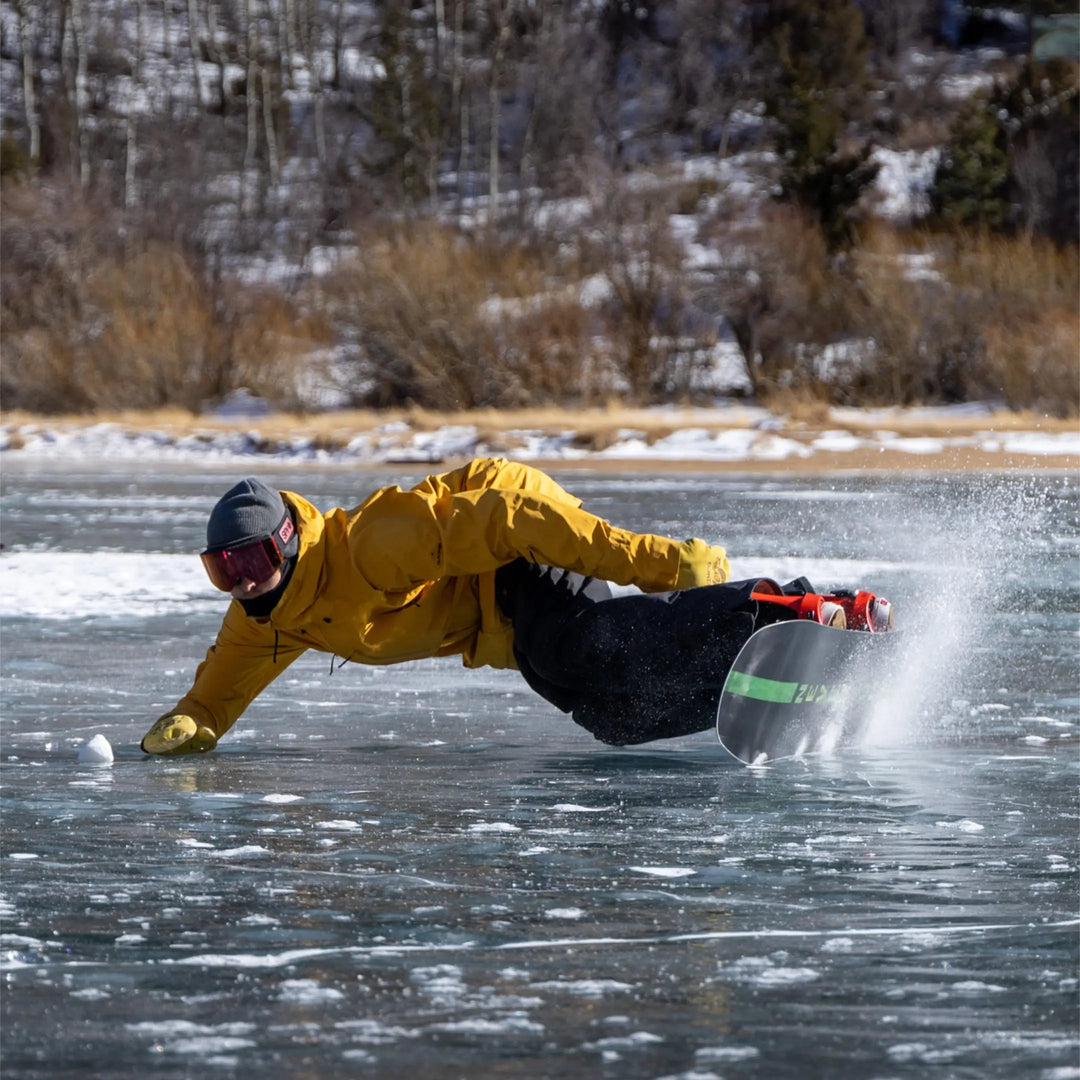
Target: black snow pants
[[630, 668]]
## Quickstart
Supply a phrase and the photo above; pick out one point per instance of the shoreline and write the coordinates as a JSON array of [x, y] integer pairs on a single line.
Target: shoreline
[[725, 439]]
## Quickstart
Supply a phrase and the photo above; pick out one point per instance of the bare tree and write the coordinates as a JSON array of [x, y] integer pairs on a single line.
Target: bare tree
[[217, 54], [897, 26], [25, 12], [1036, 180], [194, 23], [307, 35], [501, 12], [73, 61], [712, 69], [562, 112], [133, 105]]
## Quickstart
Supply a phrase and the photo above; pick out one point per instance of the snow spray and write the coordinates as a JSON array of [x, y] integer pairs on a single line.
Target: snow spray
[[967, 569]]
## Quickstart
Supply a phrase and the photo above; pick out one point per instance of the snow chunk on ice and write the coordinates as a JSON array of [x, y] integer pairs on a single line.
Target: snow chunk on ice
[[664, 871], [96, 751]]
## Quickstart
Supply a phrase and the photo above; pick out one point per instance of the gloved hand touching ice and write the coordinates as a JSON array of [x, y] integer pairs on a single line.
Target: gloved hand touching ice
[[175, 733]]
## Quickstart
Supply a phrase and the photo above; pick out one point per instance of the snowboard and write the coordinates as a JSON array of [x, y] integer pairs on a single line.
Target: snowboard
[[799, 688]]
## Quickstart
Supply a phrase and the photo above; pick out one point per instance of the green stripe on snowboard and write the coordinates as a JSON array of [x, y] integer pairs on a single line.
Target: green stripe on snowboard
[[752, 686]]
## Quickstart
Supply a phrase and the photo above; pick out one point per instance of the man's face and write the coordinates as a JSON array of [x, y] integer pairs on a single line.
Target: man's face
[[246, 589]]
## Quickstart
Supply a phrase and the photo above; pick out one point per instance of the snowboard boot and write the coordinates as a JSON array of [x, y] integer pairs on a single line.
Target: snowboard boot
[[865, 611], [826, 610], [843, 610]]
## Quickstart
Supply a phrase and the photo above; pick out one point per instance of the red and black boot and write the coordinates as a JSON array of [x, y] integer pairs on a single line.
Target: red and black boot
[[844, 611], [865, 611]]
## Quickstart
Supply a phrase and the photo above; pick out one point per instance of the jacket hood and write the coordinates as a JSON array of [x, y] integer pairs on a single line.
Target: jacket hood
[[310, 571]]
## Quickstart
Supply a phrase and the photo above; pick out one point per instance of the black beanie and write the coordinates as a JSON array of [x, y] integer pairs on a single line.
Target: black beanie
[[247, 512]]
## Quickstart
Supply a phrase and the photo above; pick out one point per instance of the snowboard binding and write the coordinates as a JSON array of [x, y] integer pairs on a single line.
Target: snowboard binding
[[860, 610]]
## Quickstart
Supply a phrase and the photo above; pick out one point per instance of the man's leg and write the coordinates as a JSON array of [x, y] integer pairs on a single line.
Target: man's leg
[[630, 668]]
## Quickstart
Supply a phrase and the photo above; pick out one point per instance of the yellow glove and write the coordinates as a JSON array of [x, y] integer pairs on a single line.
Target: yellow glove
[[700, 564], [178, 734]]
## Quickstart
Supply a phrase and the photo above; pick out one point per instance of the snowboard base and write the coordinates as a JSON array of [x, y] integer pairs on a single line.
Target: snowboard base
[[799, 688]]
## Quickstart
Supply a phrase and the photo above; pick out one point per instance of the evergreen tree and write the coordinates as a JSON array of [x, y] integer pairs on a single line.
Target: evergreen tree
[[405, 112], [819, 53], [1012, 158], [969, 188]]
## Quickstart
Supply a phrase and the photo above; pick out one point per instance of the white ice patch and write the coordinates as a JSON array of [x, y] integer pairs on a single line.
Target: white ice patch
[[375, 1032], [307, 992], [359, 1057], [250, 960], [493, 827], [584, 988], [715, 1054], [274, 797], [109, 584], [974, 986], [636, 1040], [241, 852], [965, 825], [21, 941], [482, 1026], [769, 972], [565, 913], [195, 1040], [664, 871]]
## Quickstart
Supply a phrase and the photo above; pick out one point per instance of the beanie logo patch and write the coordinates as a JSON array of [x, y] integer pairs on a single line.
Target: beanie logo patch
[[287, 529]]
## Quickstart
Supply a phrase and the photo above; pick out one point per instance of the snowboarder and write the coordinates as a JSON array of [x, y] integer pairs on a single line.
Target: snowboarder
[[494, 562]]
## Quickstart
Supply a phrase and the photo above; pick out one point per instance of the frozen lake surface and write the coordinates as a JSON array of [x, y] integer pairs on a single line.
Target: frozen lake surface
[[428, 872]]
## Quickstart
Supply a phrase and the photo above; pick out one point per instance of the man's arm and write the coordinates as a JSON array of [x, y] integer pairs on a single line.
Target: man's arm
[[402, 538], [241, 663]]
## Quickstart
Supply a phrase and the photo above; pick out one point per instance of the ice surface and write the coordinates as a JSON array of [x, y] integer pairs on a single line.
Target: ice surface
[[489, 891]]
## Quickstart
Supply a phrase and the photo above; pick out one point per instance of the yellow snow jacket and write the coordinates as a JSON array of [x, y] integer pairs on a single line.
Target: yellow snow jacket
[[411, 574]]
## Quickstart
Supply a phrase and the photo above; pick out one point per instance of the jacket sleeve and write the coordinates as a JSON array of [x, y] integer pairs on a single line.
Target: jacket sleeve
[[403, 538], [241, 663]]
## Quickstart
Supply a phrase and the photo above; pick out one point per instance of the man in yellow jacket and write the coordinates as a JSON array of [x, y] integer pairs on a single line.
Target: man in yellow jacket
[[494, 562]]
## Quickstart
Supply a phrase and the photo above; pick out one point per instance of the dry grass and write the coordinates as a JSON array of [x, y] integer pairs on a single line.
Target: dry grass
[[496, 334], [594, 428], [982, 318]]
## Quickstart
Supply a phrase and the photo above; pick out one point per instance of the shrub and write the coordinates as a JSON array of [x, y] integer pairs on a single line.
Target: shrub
[[975, 317], [443, 320], [92, 322], [785, 298]]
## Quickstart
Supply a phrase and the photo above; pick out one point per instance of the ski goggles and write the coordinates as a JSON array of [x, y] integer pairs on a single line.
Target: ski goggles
[[254, 561]]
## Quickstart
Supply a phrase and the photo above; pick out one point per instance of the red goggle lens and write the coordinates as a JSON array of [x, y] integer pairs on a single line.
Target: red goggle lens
[[251, 562]]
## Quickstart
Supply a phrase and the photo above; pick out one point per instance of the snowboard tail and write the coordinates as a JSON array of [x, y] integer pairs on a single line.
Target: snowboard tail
[[799, 688]]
